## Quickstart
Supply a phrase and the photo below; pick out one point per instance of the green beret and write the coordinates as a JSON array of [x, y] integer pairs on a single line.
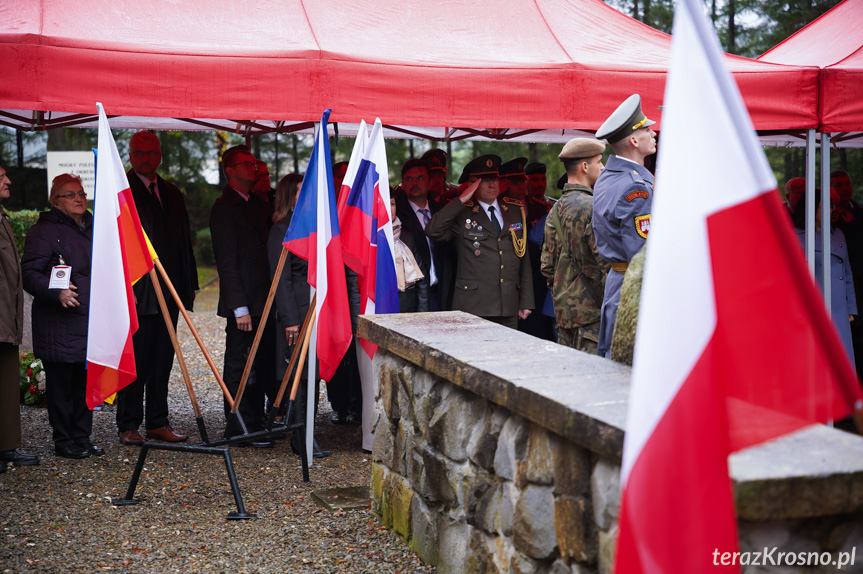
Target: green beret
[[581, 148]]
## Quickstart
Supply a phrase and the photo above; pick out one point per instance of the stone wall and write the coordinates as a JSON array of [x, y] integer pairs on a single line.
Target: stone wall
[[497, 452]]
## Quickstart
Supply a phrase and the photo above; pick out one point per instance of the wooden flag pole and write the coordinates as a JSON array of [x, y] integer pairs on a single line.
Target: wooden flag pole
[[260, 332], [169, 324], [195, 334], [305, 333]]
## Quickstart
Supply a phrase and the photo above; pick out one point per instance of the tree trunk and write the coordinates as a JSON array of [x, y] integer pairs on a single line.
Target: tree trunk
[[732, 28]]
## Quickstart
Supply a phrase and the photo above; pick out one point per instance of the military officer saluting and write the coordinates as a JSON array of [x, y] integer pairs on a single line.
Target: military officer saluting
[[493, 276], [622, 198]]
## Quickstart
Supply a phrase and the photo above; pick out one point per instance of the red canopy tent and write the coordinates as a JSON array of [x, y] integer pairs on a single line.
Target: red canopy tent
[[833, 42], [538, 69]]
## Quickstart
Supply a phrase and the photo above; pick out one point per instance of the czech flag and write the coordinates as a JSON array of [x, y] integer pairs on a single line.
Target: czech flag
[[367, 229], [120, 257], [314, 236], [734, 345]]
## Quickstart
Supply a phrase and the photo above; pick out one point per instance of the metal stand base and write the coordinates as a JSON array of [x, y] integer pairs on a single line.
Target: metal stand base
[[211, 448]]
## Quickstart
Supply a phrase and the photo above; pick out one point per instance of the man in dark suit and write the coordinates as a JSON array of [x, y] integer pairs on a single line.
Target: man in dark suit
[[493, 276], [240, 224], [415, 209], [163, 215]]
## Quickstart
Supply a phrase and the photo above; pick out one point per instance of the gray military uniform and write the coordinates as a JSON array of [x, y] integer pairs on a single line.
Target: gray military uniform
[[492, 281], [622, 199]]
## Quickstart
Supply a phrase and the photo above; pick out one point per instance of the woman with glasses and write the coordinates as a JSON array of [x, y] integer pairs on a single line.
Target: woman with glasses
[[56, 271]]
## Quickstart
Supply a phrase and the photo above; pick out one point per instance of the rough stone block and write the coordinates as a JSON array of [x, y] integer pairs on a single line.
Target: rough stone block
[[426, 403], [483, 443], [417, 473], [424, 530], [533, 530], [576, 535], [383, 444], [480, 558], [572, 471], [402, 497], [389, 394], [542, 449], [463, 477], [439, 487], [521, 564], [605, 493], [494, 508], [379, 474], [402, 441], [453, 540], [452, 424], [607, 546], [511, 447]]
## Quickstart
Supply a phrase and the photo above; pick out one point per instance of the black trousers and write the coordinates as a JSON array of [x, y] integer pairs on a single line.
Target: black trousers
[[238, 344], [154, 358], [71, 420], [345, 390]]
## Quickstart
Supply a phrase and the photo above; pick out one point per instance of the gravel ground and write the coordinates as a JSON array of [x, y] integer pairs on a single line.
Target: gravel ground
[[57, 517]]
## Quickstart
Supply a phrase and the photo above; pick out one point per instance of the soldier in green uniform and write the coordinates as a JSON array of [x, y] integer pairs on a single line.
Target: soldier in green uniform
[[570, 262], [493, 270]]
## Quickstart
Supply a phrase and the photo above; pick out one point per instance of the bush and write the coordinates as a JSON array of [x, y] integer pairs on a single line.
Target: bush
[[204, 247], [21, 222]]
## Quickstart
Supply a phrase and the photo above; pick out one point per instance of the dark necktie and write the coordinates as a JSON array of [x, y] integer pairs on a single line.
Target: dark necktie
[[495, 225], [155, 192], [426, 217]]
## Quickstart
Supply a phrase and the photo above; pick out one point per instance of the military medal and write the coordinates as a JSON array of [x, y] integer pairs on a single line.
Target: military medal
[[477, 252], [479, 228], [476, 244], [467, 224]]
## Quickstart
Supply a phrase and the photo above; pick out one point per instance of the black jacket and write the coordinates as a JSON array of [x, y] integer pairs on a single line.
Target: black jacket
[[240, 230], [58, 334], [168, 230]]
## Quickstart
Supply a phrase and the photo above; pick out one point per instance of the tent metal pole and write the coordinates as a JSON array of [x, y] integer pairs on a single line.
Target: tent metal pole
[[826, 212], [810, 200]]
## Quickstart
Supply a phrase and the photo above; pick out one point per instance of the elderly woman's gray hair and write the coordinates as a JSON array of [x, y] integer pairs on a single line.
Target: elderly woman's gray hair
[[58, 184]]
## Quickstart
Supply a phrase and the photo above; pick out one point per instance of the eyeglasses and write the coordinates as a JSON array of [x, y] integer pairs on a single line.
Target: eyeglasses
[[73, 194], [248, 164], [145, 153]]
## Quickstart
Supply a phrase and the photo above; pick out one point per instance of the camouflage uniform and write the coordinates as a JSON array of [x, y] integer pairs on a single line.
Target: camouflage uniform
[[576, 309]]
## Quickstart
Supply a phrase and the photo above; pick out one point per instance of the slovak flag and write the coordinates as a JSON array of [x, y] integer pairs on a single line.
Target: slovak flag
[[120, 257], [734, 345], [314, 235], [367, 229]]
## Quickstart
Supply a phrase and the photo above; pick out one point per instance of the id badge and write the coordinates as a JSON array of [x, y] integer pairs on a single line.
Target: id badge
[[60, 276]]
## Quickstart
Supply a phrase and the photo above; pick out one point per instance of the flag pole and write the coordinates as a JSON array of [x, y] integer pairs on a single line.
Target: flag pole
[[194, 331], [260, 332], [169, 324], [305, 332]]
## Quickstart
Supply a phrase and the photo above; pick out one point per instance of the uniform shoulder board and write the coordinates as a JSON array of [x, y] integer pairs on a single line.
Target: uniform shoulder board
[[636, 177], [512, 201]]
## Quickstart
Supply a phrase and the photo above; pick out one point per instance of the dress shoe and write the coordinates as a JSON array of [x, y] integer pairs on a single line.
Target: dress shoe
[[72, 451], [257, 444], [19, 458], [318, 452], [91, 448], [131, 438], [353, 418], [167, 434], [338, 418], [2, 467]]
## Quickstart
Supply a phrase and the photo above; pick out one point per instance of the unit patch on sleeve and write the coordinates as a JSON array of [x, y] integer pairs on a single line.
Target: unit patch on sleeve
[[642, 225], [637, 194]]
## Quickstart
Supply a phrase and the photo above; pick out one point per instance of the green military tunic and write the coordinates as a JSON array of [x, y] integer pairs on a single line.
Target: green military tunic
[[574, 270], [492, 278]]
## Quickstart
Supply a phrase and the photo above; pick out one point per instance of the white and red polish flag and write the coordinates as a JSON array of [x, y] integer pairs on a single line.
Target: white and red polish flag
[[734, 345]]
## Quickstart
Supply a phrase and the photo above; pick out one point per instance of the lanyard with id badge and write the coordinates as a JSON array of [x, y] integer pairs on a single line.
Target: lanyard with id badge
[[61, 276]]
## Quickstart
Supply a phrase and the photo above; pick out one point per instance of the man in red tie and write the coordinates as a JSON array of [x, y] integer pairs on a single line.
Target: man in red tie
[[162, 211]]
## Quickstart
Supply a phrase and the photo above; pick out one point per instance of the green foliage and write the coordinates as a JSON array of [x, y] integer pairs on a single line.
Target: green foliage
[[204, 248], [21, 222], [31, 380]]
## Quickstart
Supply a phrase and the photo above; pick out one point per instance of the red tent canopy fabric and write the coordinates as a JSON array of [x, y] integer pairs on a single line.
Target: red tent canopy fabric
[[833, 42], [276, 64]]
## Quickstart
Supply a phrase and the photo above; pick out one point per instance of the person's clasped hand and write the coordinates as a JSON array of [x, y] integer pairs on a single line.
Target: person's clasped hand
[[68, 297]]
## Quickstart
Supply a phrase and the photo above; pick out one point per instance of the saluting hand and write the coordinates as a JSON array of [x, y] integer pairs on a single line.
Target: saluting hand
[[467, 189], [68, 297]]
